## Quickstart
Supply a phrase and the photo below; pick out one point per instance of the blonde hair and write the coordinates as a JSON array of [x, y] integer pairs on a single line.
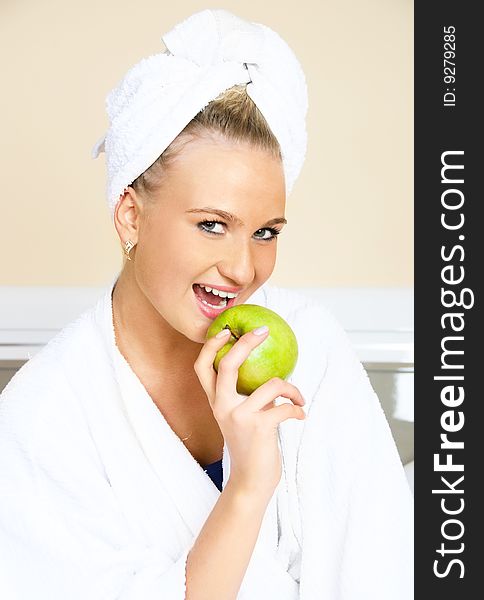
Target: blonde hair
[[234, 115]]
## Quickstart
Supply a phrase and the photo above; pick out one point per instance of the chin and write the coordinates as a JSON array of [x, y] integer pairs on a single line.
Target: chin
[[195, 334], [198, 339]]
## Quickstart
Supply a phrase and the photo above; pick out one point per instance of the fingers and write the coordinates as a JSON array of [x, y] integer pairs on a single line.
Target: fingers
[[273, 417], [228, 368], [266, 394], [204, 364], [222, 386]]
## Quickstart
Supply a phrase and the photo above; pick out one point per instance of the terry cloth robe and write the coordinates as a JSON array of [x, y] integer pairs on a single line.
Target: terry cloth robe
[[100, 499]]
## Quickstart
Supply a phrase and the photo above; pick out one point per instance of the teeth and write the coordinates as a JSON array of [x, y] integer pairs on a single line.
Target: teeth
[[216, 292], [222, 305]]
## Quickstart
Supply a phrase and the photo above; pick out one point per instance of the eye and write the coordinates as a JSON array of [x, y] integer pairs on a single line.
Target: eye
[[273, 233], [208, 226]]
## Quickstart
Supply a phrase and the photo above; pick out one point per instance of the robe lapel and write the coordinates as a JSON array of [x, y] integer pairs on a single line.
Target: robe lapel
[[191, 489]]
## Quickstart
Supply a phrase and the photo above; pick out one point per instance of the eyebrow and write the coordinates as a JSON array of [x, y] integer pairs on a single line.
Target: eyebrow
[[230, 217]]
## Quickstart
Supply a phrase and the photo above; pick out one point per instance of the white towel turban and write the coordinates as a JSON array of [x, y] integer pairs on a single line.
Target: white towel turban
[[207, 53]]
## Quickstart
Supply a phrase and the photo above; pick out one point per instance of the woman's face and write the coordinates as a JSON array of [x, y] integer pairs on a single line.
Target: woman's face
[[213, 222]]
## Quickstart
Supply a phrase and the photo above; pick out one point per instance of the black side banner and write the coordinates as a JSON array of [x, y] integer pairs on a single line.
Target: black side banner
[[449, 236]]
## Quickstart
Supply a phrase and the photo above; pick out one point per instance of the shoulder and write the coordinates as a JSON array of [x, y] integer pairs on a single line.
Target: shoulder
[[43, 370], [324, 346], [47, 448], [309, 315], [39, 401]]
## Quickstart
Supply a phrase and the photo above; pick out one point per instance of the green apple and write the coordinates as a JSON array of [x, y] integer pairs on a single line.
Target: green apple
[[276, 356]]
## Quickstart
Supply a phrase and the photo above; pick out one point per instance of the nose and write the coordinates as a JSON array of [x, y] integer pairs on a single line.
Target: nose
[[237, 263]]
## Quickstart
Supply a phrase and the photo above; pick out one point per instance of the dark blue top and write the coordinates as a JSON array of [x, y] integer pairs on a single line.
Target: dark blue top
[[214, 471]]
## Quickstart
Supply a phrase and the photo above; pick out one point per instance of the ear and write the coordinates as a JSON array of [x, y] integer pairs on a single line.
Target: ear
[[127, 216]]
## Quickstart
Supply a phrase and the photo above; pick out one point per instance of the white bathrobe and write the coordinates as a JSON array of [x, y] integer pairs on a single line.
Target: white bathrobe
[[100, 500]]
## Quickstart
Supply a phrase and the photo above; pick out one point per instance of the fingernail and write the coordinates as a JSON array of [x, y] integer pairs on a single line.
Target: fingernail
[[222, 333], [261, 330]]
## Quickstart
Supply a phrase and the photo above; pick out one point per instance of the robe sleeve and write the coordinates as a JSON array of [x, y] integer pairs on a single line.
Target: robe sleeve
[[62, 531], [356, 505]]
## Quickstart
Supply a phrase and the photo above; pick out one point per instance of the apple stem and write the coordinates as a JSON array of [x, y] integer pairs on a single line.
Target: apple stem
[[231, 332]]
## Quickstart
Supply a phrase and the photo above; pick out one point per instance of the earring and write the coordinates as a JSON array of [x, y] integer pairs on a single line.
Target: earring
[[127, 248]]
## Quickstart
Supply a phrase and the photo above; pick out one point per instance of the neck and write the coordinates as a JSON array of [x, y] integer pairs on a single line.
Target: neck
[[144, 337]]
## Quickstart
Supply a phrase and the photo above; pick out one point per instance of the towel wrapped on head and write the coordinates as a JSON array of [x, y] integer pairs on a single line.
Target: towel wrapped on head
[[208, 53]]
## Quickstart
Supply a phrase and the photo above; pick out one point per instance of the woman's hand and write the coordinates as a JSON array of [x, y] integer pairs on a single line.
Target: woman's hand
[[248, 423]]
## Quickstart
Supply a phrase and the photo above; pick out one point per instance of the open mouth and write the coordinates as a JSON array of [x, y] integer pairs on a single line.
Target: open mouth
[[218, 300]]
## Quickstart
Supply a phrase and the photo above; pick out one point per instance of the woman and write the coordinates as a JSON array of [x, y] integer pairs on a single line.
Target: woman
[[130, 468]]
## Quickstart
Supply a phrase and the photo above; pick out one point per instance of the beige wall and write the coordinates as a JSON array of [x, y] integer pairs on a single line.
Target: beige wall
[[350, 215]]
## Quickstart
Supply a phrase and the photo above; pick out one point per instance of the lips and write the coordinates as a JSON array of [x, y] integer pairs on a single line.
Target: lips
[[210, 312]]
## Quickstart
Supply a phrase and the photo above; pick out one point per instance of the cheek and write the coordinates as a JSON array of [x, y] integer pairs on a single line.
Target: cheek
[[266, 262], [158, 258], [161, 246], [174, 255]]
